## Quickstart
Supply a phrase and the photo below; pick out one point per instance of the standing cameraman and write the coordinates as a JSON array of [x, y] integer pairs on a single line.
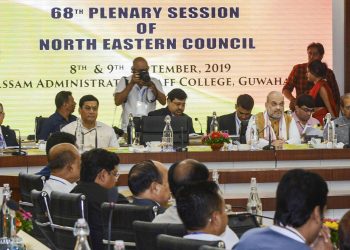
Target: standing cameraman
[[139, 92]]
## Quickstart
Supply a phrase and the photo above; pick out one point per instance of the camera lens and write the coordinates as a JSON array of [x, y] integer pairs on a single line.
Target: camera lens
[[144, 76]]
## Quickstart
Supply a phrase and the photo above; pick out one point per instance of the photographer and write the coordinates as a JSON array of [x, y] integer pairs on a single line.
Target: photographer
[[139, 92]]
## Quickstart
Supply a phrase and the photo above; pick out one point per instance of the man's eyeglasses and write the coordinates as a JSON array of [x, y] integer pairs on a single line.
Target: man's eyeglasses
[[88, 108], [308, 110], [115, 173]]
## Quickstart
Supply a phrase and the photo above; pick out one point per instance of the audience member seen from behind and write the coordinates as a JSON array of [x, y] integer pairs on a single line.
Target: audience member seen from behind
[[98, 176], [342, 123], [202, 210], [344, 232], [183, 173], [298, 79], [148, 182], [64, 163], [54, 139], [321, 92], [301, 200], [6, 133], [236, 122], [274, 123], [176, 103], [139, 92], [304, 107], [65, 106], [89, 132]]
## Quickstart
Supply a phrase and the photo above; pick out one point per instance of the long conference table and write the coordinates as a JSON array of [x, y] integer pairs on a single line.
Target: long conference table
[[235, 169]]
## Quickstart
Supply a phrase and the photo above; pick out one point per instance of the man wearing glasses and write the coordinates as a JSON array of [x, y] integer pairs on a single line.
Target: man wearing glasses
[[89, 132], [6, 133], [139, 92], [342, 123], [304, 107], [176, 103]]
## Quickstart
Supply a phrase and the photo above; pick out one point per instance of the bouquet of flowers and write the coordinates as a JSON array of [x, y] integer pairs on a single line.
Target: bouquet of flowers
[[24, 221], [216, 138], [333, 226]]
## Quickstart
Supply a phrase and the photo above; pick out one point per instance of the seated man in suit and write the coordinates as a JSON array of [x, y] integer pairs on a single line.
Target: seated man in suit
[[176, 103], [65, 106], [89, 132], [274, 123], [236, 123], [64, 163], [98, 176], [342, 123], [6, 133], [148, 182], [202, 211]]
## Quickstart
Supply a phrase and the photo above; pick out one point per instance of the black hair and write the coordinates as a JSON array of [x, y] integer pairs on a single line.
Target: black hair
[[61, 98], [318, 46], [344, 232], [64, 158], [95, 160], [318, 68], [87, 98], [58, 138], [305, 100], [185, 172], [201, 197], [298, 193], [141, 176], [245, 101], [177, 94]]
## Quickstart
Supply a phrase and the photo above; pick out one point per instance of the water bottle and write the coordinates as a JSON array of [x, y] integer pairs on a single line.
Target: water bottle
[[215, 176], [79, 135], [167, 139], [214, 125], [2, 144], [119, 245], [253, 134], [130, 130], [330, 128], [81, 231], [254, 205]]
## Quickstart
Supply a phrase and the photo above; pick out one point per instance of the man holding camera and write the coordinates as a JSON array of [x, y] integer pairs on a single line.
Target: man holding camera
[[139, 92]]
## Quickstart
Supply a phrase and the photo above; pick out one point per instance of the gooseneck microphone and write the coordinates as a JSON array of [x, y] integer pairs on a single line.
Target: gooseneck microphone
[[200, 124], [269, 146], [19, 152]]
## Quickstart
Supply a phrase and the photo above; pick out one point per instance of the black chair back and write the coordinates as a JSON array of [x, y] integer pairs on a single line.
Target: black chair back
[[146, 233], [66, 209], [242, 222], [28, 182], [209, 118], [39, 122], [167, 242], [42, 217], [121, 217]]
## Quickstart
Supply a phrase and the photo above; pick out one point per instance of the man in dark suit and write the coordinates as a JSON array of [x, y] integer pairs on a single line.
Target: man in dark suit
[[148, 182], [8, 134], [236, 123], [176, 103]]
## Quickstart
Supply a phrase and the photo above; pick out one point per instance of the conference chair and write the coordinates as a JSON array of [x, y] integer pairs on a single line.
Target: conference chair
[[146, 233], [242, 222], [66, 209], [39, 122], [42, 217], [209, 118], [167, 242], [117, 221]]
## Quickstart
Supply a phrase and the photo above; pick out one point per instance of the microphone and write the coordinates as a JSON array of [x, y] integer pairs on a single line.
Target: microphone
[[182, 148], [345, 125], [200, 124], [269, 146], [19, 152]]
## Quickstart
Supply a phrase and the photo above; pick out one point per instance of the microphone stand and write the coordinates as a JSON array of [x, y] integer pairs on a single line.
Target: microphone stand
[[197, 120], [182, 148], [269, 146], [19, 152]]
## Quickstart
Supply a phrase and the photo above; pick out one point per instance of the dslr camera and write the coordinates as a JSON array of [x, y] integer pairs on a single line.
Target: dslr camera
[[144, 76]]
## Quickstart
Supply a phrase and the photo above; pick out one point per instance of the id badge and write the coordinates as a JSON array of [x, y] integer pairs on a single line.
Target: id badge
[[141, 108]]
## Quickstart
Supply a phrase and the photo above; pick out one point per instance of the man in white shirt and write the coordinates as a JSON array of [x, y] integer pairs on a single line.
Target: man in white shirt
[[139, 92], [89, 132], [64, 163], [202, 210], [274, 124]]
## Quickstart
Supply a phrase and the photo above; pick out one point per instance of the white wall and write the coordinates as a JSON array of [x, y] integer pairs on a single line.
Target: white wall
[[338, 42]]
